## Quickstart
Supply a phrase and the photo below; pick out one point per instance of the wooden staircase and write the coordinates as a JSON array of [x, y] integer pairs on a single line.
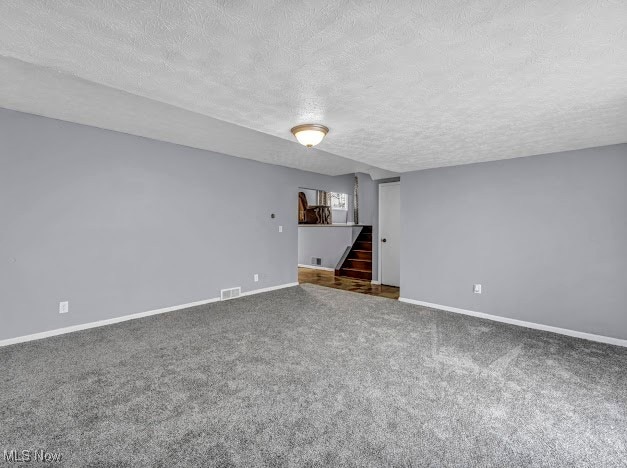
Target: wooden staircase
[[358, 262]]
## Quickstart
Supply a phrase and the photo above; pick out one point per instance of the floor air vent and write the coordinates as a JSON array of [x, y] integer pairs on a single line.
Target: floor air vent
[[226, 294]]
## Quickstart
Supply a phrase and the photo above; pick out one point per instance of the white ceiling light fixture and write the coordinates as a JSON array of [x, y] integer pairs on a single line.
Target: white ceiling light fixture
[[310, 134]]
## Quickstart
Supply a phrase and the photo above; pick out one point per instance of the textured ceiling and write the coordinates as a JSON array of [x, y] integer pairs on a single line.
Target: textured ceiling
[[45, 92], [403, 85]]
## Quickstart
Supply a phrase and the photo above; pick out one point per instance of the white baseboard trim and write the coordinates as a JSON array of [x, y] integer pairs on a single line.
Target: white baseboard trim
[[101, 323], [316, 267], [124, 318], [375, 282], [271, 288], [521, 323]]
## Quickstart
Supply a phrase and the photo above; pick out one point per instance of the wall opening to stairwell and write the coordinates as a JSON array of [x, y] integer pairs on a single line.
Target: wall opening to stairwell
[[333, 251]]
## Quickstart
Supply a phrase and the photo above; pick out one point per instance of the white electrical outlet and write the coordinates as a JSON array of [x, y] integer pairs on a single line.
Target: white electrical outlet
[[64, 307], [476, 288], [256, 277], [280, 228]]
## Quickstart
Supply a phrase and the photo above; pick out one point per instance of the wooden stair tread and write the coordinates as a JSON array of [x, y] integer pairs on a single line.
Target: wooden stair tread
[[358, 262]]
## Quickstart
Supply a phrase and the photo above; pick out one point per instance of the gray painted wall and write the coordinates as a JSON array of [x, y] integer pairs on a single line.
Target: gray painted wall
[[326, 242], [118, 224], [546, 236]]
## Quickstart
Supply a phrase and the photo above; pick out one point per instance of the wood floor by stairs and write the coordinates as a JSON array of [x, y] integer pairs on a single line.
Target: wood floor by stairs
[[329, 280], [358, 263]]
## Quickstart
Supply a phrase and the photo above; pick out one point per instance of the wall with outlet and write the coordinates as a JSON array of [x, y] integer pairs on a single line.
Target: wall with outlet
[[325, 242], [115, 224], [544, 236]]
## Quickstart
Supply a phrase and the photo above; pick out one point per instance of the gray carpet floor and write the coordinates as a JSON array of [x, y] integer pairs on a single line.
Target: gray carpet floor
[[310, 376]]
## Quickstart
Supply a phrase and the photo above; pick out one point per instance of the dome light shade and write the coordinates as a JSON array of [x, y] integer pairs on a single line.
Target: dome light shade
[[310, 134]]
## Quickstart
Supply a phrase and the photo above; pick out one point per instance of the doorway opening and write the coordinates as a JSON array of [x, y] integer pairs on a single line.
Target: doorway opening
[[333, 251]]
